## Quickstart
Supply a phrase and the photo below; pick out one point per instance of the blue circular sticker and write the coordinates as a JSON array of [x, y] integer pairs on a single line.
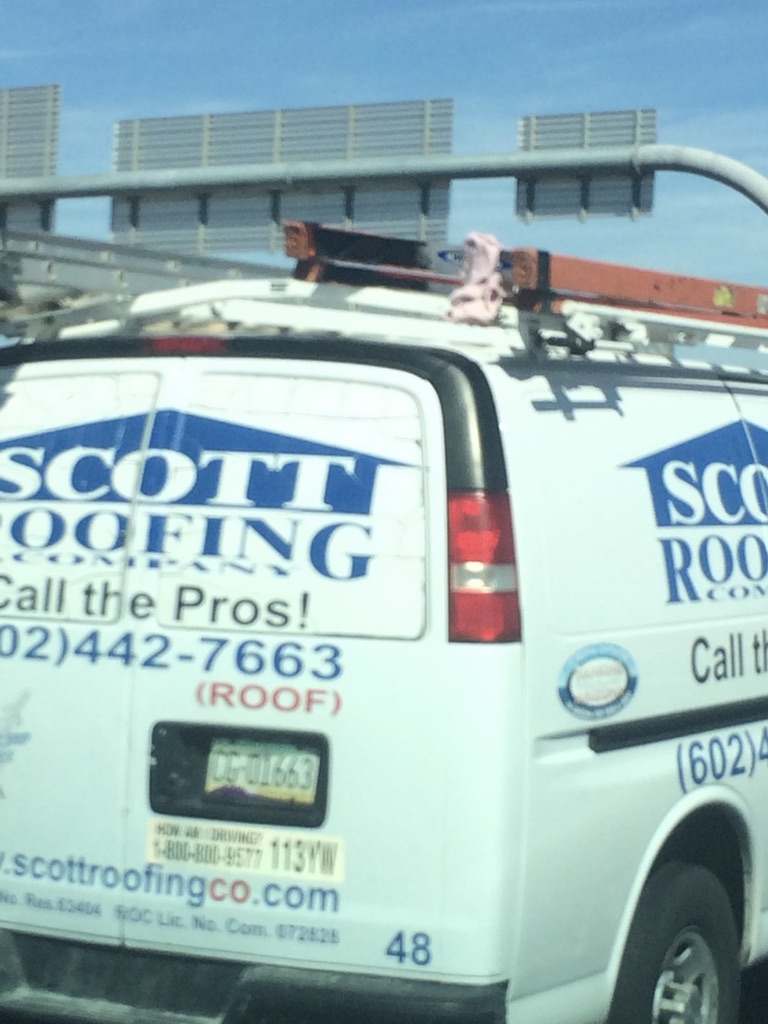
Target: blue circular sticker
[[598, 681]]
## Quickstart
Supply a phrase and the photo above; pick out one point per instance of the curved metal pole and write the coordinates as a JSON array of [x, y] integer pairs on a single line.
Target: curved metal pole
[[447, 167], [707, 164], [444, 167]]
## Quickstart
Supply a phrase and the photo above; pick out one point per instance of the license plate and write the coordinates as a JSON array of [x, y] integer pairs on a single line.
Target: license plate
[[262, 771]]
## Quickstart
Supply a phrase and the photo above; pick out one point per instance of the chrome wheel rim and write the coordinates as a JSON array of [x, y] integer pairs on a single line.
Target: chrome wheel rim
[[687, 989]]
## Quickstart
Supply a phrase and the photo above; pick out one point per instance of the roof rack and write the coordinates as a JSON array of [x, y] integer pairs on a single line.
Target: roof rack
[[377, 286], [52, 287], [575, 304], [48, 281]]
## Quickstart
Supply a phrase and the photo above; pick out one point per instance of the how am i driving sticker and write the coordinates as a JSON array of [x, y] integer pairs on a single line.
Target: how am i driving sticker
[[597, 681]]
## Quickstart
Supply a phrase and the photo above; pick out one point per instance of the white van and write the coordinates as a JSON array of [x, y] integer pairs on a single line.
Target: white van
[[361, 665]]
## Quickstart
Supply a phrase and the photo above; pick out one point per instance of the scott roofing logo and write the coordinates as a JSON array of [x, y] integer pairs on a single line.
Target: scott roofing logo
[[202, 488], [710, 500], [190, 460]]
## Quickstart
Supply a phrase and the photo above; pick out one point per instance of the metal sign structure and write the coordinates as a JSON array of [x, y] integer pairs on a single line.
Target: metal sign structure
[[250, 218], [239, 207], [29, 138], [556, 194]]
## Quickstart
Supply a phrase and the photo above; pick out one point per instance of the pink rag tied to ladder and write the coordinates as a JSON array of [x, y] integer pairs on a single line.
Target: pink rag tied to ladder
[[478, 299]]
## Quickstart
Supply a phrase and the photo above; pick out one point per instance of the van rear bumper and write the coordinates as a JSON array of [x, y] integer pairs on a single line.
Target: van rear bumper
[[62, 980], [332, 996]]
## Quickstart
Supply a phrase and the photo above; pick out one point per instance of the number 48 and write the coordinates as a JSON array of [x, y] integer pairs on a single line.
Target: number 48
[[417, 951]]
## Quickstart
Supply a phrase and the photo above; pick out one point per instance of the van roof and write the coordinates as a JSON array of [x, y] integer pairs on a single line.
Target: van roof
[[365, 286]]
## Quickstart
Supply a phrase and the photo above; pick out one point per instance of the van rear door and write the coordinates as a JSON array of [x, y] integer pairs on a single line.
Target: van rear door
[[318, 775], [258, 740], [278, 564], [70, 438]]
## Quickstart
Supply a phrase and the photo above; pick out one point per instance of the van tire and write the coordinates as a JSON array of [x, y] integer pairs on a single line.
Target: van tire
[[681, 960]]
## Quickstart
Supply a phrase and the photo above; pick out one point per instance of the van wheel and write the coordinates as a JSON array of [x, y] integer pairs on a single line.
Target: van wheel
[[681, 961]]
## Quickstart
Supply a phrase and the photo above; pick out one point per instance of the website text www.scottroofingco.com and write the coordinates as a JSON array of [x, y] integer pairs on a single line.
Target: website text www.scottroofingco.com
[[154, 880]]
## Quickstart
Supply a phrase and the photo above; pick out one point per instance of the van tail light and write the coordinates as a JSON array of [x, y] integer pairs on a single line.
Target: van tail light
[[484, 599]]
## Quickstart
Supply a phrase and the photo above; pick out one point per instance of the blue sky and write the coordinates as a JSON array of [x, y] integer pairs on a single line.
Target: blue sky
[[701, 64]]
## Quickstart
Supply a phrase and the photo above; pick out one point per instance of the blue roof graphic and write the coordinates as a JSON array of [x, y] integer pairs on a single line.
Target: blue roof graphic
[[737, 445]]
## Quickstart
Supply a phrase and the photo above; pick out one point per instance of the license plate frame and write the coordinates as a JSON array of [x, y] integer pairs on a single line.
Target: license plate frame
[[208, 771]]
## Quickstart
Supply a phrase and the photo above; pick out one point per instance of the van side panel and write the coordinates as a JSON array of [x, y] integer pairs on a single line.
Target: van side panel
[[640, 514]]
